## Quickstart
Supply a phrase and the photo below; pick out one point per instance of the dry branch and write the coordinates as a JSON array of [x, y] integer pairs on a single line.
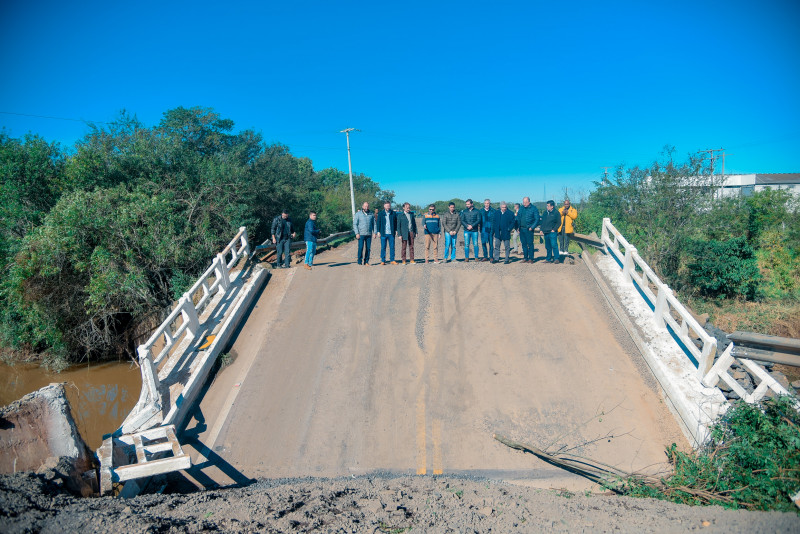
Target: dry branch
[[609, 476]]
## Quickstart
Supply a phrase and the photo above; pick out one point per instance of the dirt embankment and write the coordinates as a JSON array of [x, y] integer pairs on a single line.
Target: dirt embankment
[[365, 504]]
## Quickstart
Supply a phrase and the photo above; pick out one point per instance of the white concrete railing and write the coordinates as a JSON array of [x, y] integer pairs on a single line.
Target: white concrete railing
[[149, 403], [219, 271], [660, 298], [720, 372]]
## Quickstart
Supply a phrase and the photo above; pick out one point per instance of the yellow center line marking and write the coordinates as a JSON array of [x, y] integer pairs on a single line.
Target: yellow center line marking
[[437, 447], [421, 452]]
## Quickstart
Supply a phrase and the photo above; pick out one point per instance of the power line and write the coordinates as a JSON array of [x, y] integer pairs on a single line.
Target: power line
[[85, 121]]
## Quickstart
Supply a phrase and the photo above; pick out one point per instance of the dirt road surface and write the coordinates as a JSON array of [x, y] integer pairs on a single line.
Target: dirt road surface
[[349, 370], [374, 504]]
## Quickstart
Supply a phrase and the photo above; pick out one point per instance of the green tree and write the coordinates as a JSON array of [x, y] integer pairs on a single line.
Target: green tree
[[95, 243], [656, 208], [31, 171]]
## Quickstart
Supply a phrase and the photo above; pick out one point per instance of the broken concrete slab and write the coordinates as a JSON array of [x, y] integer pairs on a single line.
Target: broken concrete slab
[[38, 433]]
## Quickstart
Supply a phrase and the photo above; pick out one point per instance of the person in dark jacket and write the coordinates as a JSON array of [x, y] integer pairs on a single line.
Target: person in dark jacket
[[407, 229], [451, 224], [528, 219], [502, 225], [471, 221], [551, 221], [310, 235], [387, 229], [282, 235], [487, 216]]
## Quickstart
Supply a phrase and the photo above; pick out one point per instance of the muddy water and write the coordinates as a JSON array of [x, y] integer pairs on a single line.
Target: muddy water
[[100, 395]]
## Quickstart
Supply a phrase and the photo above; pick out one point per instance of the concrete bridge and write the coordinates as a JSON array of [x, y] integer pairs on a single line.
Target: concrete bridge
[[350, 370]]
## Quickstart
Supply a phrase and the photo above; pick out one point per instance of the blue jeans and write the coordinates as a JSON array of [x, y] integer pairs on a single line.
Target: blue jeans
[[384, 240], [551, 243], [470, 236], [364, 245], [284, 251], [450, 244], [311, 251], [488, 243]]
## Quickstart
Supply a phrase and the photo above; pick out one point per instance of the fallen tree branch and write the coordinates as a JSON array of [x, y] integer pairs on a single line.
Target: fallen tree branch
[[609, 476]]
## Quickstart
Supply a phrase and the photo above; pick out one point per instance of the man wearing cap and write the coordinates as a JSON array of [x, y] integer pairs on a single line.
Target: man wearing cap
[[432, 227]]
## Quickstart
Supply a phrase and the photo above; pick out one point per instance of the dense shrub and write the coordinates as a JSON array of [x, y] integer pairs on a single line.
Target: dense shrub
[[723, 268], [752, 461]]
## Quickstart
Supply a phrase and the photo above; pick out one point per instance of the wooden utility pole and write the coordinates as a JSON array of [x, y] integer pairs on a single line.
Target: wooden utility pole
[[713, 157]]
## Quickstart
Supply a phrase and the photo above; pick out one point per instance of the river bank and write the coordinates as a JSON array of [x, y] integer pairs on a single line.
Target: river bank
[[366, 504]]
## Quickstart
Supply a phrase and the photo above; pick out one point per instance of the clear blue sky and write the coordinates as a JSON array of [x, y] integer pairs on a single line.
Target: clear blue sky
[[454, 99]]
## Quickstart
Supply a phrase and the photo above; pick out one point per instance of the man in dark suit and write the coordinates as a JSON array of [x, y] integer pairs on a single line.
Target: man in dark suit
[[387, 229], [407, 228], [504, 222]]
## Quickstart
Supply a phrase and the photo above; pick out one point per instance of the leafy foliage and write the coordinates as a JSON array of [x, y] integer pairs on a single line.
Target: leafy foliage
[[752, 461], [723, 268], [96, 241], [702, 243]]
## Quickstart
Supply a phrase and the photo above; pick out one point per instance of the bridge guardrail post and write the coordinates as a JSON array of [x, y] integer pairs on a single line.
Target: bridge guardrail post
[[222, 273], [661, 305], [627, 266], [245, 250], [604, 231], [707, 358], [149, 372], [190, 315]]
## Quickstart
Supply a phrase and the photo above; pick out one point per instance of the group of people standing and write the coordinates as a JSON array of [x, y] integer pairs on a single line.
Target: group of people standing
[[496, 228], [488, 227]]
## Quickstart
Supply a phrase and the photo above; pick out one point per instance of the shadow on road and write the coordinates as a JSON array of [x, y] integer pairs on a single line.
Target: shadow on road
[[206, 473]]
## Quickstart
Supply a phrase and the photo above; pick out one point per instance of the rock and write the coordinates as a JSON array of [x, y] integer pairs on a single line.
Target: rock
[[738, 375], [795, 384], [723, 386], [486, 510], [38, 433]]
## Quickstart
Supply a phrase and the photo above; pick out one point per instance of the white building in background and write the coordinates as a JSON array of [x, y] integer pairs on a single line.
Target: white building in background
[[747, 184]]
